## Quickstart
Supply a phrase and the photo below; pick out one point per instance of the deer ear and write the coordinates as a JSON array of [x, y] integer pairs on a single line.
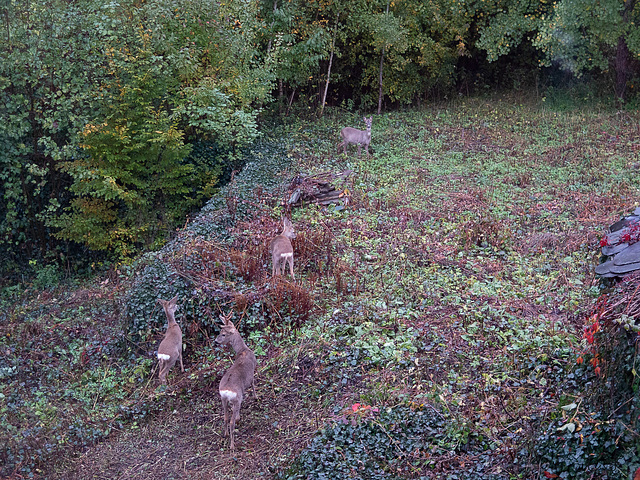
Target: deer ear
[[160, 301], [174, 300]]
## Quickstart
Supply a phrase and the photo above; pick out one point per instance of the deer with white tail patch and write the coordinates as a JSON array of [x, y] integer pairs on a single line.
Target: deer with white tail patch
[[170, 349], [237, 379], [282, 250]]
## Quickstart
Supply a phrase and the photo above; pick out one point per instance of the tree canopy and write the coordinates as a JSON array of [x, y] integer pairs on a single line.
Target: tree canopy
[[103, 102]]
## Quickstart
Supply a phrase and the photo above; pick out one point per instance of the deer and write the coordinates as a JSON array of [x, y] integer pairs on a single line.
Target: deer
[[237, 379], [170, 349], [355, 136], [282, 250]]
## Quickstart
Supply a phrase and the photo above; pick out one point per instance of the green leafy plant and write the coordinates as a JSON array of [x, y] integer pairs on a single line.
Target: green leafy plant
[[391, 443]]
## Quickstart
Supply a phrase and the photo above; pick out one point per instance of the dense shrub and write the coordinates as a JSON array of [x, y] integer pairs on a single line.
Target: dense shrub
[[102, 103], [595, 447], [211, 266], [399, 442], [597, 436]]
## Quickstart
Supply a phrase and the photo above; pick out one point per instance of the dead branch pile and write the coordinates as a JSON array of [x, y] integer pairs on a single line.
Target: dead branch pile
[[323, 188]]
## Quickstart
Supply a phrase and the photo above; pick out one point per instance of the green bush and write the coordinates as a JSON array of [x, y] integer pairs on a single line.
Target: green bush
[[204, 269], [593, 447], [400, 442]]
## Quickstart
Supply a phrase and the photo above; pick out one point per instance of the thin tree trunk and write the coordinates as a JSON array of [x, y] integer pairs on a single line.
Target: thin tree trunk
[[380, 82], [380, 73], [275, 9], [326, 85], [622, 69], [6, 18], [622, 61], [290, 101]]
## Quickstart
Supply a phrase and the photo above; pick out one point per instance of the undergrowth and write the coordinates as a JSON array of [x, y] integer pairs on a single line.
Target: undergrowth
[[434, 330]]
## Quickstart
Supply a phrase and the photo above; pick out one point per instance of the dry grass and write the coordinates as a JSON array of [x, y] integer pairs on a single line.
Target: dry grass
[[185, 441]]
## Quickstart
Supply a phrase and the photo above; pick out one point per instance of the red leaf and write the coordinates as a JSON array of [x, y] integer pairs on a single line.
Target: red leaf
[[551, 475], [636, 476]]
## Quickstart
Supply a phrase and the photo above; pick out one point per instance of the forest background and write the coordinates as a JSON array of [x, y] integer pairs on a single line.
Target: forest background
[[119, 118], [146, 150]]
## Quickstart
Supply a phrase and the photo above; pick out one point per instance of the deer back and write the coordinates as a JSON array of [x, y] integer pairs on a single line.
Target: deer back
[[355, 136], [240, 375], [172, 342], [281, 244]]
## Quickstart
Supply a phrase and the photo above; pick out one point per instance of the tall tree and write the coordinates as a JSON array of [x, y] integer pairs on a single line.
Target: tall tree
[[331, 52], [48, 69], [418, 45], [381, 65], [580, 35], [100, 97], [585, 36], [387, 32], [298, 38]]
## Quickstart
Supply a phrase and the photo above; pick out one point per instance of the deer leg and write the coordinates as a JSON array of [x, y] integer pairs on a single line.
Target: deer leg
[[180, 354], [253, 387], [163, 371], [290, 261], [235, 415], [277, 266], [170, 363], [226, 417], [358, 149]]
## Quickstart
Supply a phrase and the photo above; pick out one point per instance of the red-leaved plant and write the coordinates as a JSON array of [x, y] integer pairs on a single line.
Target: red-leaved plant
[[357, 412]]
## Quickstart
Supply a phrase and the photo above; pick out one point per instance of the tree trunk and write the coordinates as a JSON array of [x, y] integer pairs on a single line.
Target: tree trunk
[[6, 19], [623, 67], [623, 62], [290, 101], [326, 85], [380, 82], [380, 73], [275, 10]]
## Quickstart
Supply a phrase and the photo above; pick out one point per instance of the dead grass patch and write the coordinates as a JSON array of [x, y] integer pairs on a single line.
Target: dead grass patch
[[186, 442]]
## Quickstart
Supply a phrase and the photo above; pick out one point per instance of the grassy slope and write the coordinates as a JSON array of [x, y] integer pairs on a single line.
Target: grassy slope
[[457, 278]]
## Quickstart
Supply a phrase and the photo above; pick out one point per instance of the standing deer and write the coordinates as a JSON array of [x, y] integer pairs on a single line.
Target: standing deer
[[355, 136], [170, 348], [238, 378], [282, 251]]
